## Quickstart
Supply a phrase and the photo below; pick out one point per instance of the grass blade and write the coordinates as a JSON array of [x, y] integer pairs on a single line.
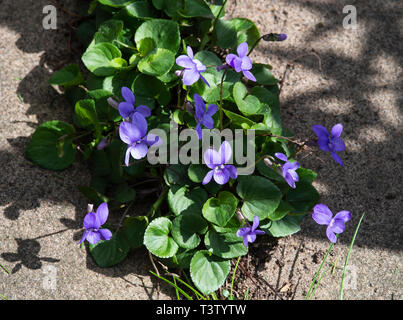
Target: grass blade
[[348, 256], [173, 285]]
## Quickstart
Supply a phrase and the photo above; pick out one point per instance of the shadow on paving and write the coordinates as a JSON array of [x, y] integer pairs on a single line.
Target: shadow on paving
[[370, 180]]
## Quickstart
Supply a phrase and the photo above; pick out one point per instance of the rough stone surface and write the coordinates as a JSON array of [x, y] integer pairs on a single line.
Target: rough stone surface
[[334, 76]]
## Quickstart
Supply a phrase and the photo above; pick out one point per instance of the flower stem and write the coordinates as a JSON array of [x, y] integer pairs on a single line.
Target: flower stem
[[218, 16], [348, 256], [221, 87], [309, 295], [255, 44], [158, 203]]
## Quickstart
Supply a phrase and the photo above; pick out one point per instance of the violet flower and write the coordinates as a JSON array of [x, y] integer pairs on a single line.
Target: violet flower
[[135, 135], [332, 142], [249, 233], [241, 62], [288, 169], [127, 109], [193, 68], [203, 116], [323, 215], [92, 224], [216, 161]]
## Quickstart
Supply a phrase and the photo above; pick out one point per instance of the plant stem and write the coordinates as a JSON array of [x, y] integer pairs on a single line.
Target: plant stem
[[348, 256], [5, 269], [126, 45], [254, 45], [3, 297], [317, 272], [221, 86], [233, 277], [158, 203], [218, 16]]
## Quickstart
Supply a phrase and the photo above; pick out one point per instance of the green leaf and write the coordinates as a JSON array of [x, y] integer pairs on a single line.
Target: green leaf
[[98, 58], [231, 33], [147, 88], [93, 195], [157, 63], [185, 228], [176, 174], [108, 253], [197, 172], [67, 76], [303, 197], [261, 197], [157, 239], [306, 175], [221, 209], [165, 33], [51, 146], [124, 193], [134, 230], [225, 245], [182, 200], [116, 3], [196, 8], [284, 227], [263, 75], [140, 9], [86, 113], [282, 210], [247, 103], [239, 120], [108, 31], [208, 272]]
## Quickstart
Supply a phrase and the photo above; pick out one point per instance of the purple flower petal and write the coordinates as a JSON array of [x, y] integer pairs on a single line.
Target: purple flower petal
[[243, 232], [255, 223], [225, 152], [141, 123], [245, 241], [205, 81], [208, 177], [129, 133], [337, 158], [84, 237], [200, 67], [128, 95], [126, 109], [211, 158], [189, 52], [322, 214], [230, 58], [242, 49], [337, 144], [249, 75], [320, 131], [190, 76], [208, 121], [289, 179], [221, 176], [105, 234], [251, 237], [323, 143], [199, 106], [246, 64], [237, 64], [93, 237], [144, 111], [281, 156], [152, 139], [185, 62], [294, 175], [102, 213], [343, 215], [211, 109], [330, 234], [139, 150], [337, 226], [127, 156], [91, 221], [199, 130], [259, 232], [336, 130], [102, 144], [233, 173]]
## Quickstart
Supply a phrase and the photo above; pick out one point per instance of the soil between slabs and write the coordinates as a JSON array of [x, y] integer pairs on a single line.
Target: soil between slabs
[[335, 75]]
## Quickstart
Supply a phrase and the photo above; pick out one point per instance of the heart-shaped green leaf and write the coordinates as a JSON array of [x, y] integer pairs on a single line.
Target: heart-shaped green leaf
[[157, 238], [221, 209]]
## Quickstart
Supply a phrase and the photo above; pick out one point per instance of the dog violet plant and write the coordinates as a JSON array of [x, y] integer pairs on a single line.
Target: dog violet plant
[[132, 102]]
